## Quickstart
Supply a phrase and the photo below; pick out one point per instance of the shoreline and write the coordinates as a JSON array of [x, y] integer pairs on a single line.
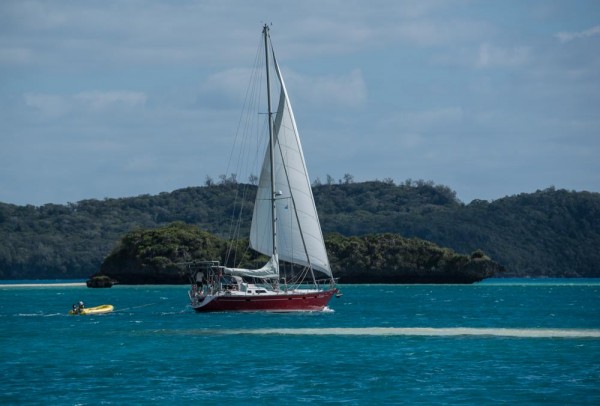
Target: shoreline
[[41, 285], [483, 283]]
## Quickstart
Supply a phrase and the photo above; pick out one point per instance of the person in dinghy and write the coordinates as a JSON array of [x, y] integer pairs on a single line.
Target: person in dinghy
[[77, 308]]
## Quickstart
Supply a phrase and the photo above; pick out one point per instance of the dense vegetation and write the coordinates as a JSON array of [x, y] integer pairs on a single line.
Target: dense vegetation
[[165, 254], [546, 233]]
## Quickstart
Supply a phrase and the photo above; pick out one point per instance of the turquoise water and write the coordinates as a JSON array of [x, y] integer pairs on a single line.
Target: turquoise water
[[502, 341]]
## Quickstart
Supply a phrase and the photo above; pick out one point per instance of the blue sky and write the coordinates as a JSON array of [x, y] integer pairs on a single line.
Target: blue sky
[[119, 98]]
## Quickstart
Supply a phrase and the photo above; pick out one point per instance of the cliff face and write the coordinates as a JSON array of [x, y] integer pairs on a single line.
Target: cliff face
[[155, 257]]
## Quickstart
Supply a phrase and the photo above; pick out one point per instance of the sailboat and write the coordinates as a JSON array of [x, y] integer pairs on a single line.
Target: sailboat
[[285, 227]]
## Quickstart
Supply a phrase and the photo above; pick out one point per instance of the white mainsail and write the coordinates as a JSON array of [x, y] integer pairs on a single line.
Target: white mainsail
[[299, 235]]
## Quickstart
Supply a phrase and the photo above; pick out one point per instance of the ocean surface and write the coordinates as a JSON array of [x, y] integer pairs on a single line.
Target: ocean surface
[[498, 342]]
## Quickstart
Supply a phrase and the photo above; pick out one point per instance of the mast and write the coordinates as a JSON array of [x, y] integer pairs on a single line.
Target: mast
[[271, 152]]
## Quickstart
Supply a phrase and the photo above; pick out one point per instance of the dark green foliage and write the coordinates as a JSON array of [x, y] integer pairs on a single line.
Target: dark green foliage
[[157, 254], [162, 255], [71, 241], [546, 233], [550, 233], [100, 281], [391, 258]]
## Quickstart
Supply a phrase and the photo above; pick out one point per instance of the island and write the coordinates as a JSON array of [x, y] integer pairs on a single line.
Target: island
[[162, 256], [550, 233]]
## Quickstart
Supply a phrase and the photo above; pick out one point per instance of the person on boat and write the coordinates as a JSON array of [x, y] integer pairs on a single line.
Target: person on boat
[[81, 306], [75, 310]]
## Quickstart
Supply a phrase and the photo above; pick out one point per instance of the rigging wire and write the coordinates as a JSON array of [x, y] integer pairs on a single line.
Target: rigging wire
[[248, 128]]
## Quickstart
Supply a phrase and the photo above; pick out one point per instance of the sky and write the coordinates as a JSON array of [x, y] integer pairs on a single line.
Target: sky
[[109, 99]]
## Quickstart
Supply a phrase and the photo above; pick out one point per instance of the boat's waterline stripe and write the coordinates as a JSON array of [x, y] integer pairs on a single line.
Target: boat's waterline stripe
[[410, 331]]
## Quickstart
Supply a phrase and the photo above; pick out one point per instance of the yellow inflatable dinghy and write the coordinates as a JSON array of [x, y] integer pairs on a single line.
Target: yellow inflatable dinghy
[[93, 310]]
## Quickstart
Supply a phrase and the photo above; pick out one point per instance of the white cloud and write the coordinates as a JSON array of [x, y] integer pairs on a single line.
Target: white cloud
[[564, 37], [439, 116], [418, 121], [97, 100], [409, 140], [490, 56], [15, 56], [54, 105], [113, 33], [433, 32], [227, 87], [48, 104], [349, 90], [116, 77], [141, 164], [345, 90]]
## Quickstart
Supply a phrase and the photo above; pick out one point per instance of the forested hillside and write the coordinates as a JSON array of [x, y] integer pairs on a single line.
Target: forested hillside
[[545, 233]]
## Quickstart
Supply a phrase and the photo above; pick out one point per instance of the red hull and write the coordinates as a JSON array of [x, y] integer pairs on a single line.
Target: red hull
[[301, 302]]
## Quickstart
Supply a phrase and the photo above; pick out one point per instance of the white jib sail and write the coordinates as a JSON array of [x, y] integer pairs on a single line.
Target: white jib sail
[[297, 220]]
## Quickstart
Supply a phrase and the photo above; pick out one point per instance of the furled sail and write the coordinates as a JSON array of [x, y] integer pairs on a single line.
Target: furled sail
[[269, 271], [299, 235]]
